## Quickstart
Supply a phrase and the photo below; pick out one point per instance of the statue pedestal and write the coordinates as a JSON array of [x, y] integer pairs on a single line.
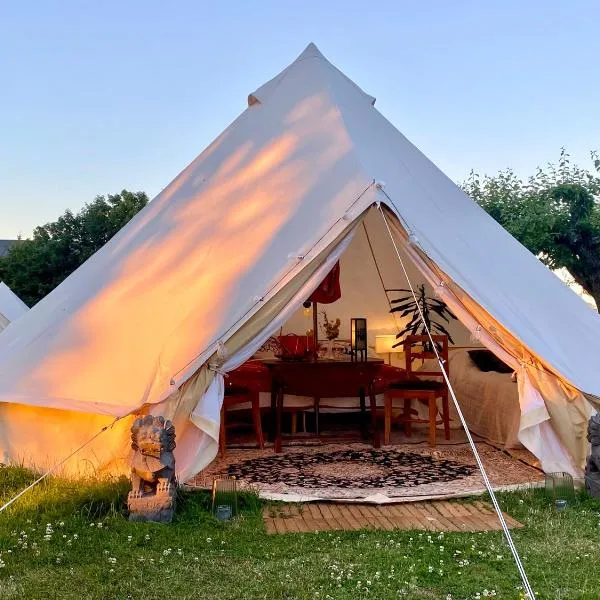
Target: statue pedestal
[[158, 507]]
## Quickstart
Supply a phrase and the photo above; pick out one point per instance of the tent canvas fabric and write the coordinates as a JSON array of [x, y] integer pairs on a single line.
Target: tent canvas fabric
[[231, 248], [11, 306]]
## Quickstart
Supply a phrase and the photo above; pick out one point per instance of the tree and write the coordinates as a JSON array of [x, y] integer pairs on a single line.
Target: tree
[[555, 214], [34, 267]]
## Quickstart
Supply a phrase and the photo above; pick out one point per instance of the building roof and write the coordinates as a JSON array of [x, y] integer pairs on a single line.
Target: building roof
[[6, 245]]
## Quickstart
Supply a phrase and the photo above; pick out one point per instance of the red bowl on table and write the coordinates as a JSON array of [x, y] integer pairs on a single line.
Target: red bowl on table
[[295, 347]]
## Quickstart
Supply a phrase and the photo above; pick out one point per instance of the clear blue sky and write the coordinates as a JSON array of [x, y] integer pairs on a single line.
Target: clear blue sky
[[100, 96]]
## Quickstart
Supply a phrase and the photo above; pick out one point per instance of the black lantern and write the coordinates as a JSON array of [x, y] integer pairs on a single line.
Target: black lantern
[[358, 339]]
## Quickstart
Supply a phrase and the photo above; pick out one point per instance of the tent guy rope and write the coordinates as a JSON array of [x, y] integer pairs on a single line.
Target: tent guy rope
[[56, 465], [526, 585]]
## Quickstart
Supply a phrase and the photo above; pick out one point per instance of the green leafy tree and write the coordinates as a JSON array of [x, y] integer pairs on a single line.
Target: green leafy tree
[[555, 214], [34, 267]]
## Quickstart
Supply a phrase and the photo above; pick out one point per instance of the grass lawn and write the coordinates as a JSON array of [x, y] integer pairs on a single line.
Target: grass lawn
[[66, 540]]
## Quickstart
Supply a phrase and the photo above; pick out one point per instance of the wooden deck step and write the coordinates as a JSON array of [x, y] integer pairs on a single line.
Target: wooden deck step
[[439, 515]]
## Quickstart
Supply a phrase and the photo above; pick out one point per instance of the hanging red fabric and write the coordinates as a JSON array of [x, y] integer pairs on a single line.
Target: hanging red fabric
[[329, 289]]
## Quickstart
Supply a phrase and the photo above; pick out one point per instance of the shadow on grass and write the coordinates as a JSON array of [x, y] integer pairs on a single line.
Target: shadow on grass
[[54, 496], [93, 499]]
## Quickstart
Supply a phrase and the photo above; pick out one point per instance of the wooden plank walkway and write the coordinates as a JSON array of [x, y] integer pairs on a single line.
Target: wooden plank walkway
[[438, 515]]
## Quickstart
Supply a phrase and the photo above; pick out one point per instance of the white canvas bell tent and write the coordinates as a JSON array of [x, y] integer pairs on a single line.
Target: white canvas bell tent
[[11, 306], [227, 253]]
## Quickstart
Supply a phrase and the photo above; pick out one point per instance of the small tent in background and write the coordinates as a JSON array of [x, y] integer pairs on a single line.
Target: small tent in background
[[11, 306], [227, 253]]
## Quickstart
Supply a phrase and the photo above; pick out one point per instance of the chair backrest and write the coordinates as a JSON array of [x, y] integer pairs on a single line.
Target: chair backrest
[[410, 341]]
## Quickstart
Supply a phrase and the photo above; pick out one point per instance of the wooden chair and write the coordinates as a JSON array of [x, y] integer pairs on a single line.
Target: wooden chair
[[413, 388], [234, 396]]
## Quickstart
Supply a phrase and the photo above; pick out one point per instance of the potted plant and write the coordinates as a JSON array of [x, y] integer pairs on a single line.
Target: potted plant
[[432, 310]]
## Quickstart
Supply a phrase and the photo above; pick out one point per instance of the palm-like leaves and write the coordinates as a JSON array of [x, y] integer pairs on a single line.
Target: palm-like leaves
[[432, 310]]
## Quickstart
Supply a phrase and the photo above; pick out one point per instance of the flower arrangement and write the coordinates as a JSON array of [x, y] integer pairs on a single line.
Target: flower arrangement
[[330, 328]]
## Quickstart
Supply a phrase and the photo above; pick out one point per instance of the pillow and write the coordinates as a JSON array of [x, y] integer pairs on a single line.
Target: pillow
[[487, 361]]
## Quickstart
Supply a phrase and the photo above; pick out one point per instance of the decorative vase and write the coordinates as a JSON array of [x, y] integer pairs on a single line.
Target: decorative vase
[[329, 354]]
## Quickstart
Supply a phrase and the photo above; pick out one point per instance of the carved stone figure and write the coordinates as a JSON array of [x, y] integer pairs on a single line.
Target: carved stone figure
[[592, 468], [152, 496]]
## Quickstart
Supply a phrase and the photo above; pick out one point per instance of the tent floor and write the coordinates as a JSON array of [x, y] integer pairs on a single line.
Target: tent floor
[[431, 516]]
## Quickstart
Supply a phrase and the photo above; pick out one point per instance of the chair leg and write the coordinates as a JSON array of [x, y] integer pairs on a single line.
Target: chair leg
[[387, 419], [222, 430], [446, 415], [257, 421], [432, 419], [363, 413], [373, 406], [406, 417], [294, 422]]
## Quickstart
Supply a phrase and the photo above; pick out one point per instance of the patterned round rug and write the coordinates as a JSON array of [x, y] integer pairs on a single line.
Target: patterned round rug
[[362, 469], [358, 471]]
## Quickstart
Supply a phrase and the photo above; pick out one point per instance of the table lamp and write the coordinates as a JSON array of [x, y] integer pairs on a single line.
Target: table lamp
[[384, 344]]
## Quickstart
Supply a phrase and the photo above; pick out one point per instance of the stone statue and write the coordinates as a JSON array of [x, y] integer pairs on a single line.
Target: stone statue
[[152, 496], [592, 468]]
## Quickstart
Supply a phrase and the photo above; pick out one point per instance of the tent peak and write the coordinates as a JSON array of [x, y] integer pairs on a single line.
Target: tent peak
[[258, 96], [311, 51], [320, 67]]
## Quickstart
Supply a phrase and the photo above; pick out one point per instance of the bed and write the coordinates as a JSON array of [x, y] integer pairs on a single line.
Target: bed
[[489, 400]]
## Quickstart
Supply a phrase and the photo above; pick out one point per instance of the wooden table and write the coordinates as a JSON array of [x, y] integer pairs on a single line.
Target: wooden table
[[323, 378]]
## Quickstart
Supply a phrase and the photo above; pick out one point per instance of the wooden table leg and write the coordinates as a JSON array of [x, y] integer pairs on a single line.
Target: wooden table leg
[[273, 415], [373, 399], [278, 418], [317, 406], [387, 419], [256, 418]]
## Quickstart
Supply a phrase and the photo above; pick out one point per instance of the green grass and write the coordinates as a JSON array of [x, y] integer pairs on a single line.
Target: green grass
[[91, 551]]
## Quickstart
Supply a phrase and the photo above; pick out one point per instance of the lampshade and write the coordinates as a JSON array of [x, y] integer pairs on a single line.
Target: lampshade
[[384, 344]]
